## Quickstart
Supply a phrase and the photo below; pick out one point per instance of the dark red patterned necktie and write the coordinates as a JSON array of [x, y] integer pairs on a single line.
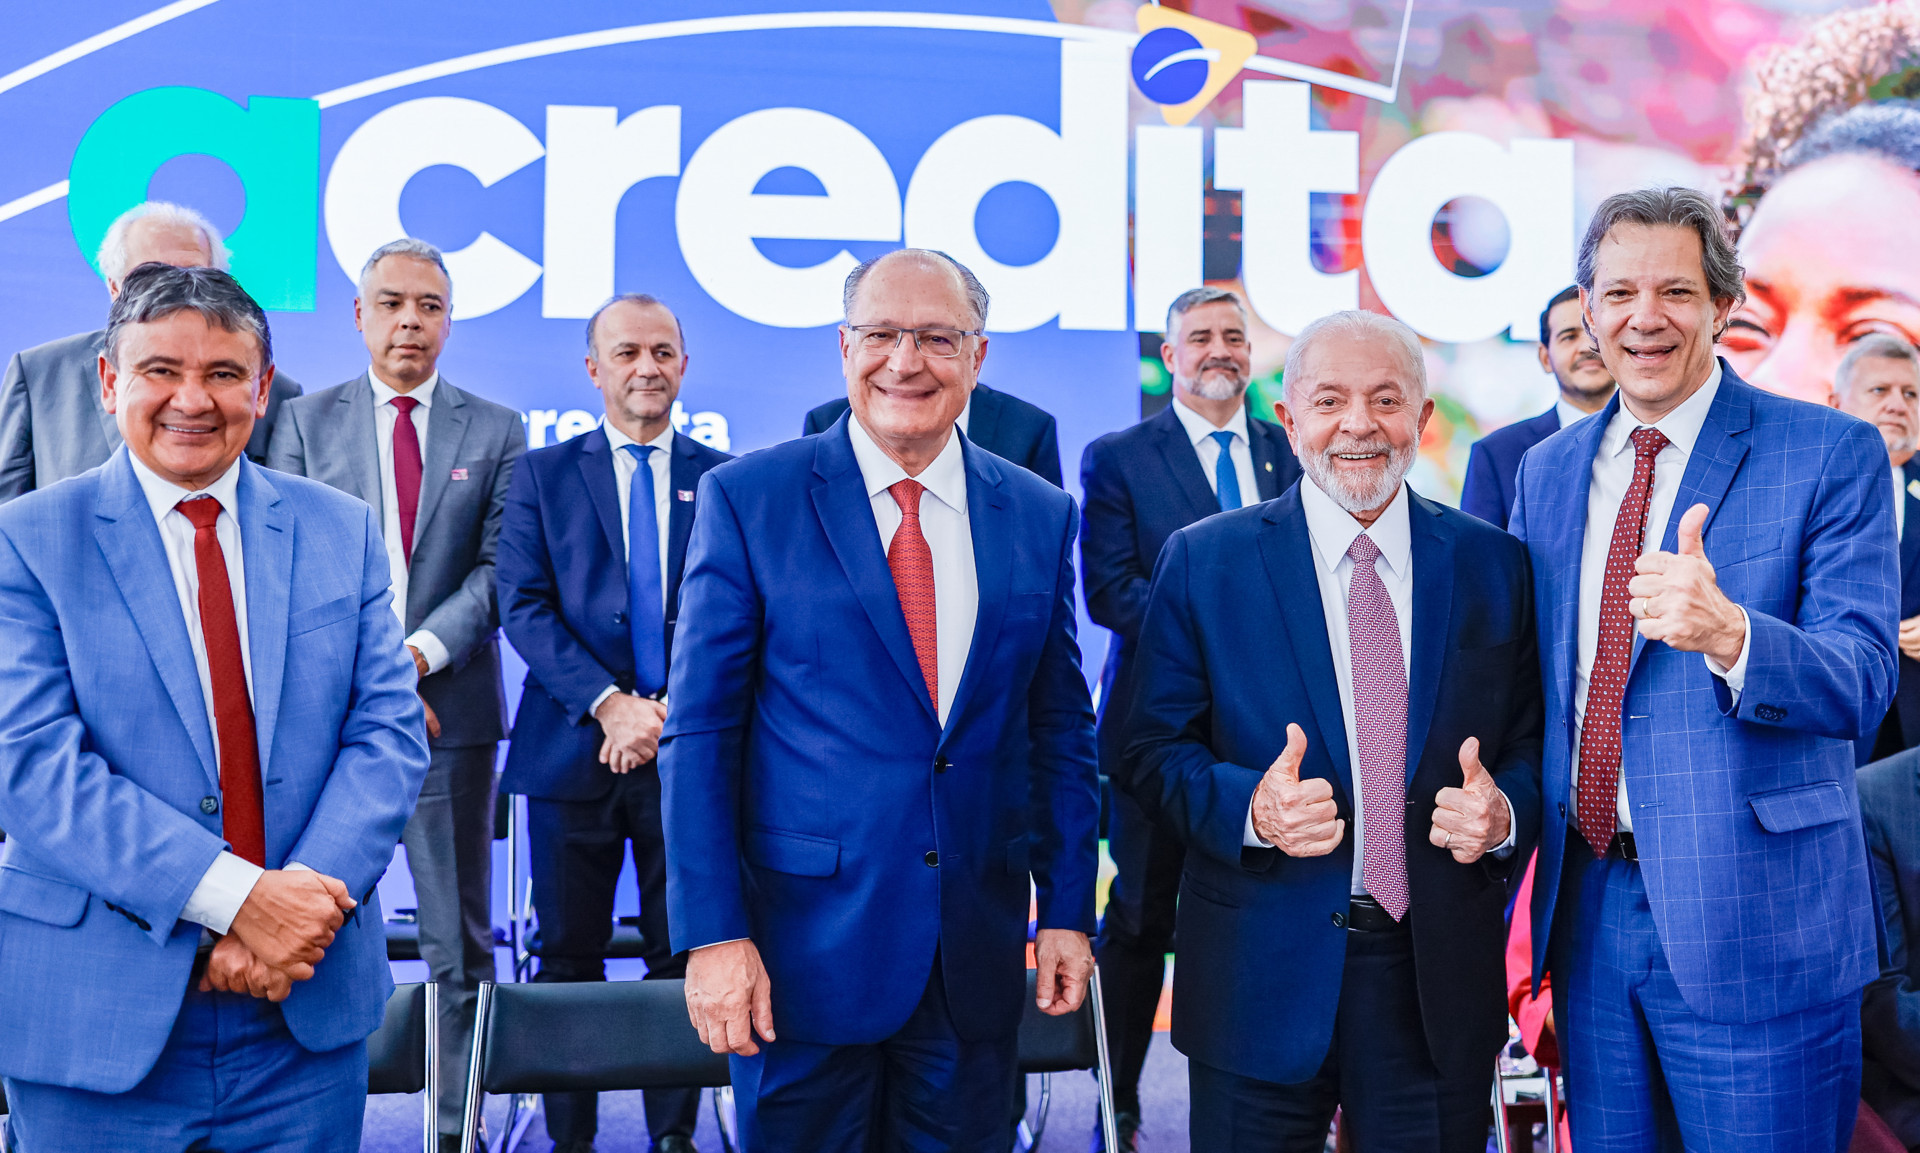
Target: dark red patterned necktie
[[406, 469], [241, 818], [912, 564], [1595, 808]]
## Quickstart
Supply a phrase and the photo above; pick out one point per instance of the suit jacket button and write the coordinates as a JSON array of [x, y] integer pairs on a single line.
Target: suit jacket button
[[1563, 810], [940, 765], [209, 805], [933, 860], [619, 618], [1339, 920]]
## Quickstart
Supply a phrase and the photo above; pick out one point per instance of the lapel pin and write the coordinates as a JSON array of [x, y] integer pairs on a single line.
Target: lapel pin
[[459, 474], [1269, 466], [1913, 487], [683, 493]]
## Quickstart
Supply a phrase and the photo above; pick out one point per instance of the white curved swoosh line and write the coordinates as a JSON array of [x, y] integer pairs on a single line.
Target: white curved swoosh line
[[95, 43], [1182, 57]]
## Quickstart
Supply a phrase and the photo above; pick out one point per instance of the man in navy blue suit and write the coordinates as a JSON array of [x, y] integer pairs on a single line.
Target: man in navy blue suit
[[1878, 380], [1337, 709], [884, 734], [1142, 484], [1717, 581], [591, 551], [999, 422], [1567, 352]]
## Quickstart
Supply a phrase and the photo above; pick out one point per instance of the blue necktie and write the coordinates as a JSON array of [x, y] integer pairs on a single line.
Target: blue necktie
[[1226, 482], [646, 607]]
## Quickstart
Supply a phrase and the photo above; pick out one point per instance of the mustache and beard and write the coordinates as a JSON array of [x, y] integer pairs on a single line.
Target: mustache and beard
[[1217, 380], [1359, 493]]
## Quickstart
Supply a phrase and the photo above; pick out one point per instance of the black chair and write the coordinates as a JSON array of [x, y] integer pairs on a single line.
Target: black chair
[[403, 1054], [1050, 1045], [594, 1036]]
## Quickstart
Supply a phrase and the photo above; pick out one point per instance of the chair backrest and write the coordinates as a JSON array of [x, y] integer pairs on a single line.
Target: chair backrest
[[1056, 1044], [397, 1053], [596, 1036]]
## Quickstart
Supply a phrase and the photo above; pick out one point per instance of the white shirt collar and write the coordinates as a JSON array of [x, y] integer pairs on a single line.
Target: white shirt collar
[[1681, 427], [163, 494], [1332, 529], [966, 416], [1200, 428], [620, 440], [945, 478], [1569, 415], [384, 393]]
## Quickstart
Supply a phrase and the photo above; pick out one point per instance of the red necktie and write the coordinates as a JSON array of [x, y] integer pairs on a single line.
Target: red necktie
[[912, 564], [1380, 727], [1595, 808], [406, 469], [242, 822]]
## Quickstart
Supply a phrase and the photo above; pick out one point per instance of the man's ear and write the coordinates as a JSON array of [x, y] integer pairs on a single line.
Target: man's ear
[[260, 399], [1546, 362], [109, 384]]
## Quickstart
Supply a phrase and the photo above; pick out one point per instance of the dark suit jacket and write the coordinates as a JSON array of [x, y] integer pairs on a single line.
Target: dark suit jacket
[[1234, 648], [808, 783], [1495, 460], [562, 568], [1001, 423], [1890, 1011], [1906, 698], [1143, 484], [472, 445], [53, 426]]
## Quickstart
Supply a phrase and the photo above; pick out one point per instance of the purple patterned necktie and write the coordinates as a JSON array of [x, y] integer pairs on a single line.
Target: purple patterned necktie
[[1380, 724]]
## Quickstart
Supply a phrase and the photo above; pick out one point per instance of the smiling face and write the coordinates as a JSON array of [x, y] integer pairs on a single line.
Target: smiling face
[[905, 400], [1828, 262], [1354, 413], [637, 364], [405, 314], [1575, 364], [1652, 315], [1208, 353], [185, 394], [1886, 393]]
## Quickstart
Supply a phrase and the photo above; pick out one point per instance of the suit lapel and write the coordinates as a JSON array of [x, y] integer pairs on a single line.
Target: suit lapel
[[447, 419], [846, 515], [1565, 534], [992, 563], [1287, 553], [1264, 439], [683, 473], [1910, 531], [130, 542], [1184, 465], [266, 548], [1432, 619], [360, 444], [596, 471]]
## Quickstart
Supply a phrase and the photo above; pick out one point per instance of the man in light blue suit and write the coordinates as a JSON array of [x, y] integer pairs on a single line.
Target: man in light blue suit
[[209, 742], [882, 733], [1717, 582]]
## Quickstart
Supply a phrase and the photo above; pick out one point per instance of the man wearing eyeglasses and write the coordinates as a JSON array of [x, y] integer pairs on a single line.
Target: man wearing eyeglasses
[[886, 734]]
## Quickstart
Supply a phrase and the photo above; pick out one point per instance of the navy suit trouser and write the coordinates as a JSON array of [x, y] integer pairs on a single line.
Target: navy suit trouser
[[230, 1078], [578, 848], [1645, 1073], [922, 1090], [1378, 1071], [1136, 934]]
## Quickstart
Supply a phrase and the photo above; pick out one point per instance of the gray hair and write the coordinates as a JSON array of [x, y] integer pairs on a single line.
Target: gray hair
[[1889, 129], [1358, 322], [112, 257], [405, 246], [1193, 298], [976, 292], [1673, 207], [632, 298], [156, 291], [1877, 345]]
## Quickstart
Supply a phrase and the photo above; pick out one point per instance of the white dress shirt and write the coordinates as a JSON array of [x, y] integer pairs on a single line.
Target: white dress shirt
[[384, 417], [226, 883], [1569, 415], [1200, 431], [944, 522], [1612, 476], [624, 468]]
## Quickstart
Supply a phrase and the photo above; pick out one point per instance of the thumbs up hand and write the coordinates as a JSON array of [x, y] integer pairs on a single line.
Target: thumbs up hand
[[1296, 816], [1676, 598], [1472, 820]]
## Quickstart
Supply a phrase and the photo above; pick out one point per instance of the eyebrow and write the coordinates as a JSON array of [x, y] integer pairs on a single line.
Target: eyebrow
[[1855, 297], [396, 294]]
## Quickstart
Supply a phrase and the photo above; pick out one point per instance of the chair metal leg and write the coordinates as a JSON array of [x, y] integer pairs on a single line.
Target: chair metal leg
[[1027, 1136], [520, 1110], [1553, 1110], [1502, 1140], [1109, 1124], [725, 1118], [470, 1131], [431, 1141]]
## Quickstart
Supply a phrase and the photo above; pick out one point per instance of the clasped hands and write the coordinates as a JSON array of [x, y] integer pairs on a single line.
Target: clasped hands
[[283, 929], [1677, 599], [632, 726], [1298, 817]]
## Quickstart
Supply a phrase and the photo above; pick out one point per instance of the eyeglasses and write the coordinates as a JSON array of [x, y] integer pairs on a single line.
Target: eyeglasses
[[881, 340]]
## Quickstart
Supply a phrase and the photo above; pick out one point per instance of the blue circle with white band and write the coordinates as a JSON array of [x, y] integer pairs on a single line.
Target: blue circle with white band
[[1170, 66]]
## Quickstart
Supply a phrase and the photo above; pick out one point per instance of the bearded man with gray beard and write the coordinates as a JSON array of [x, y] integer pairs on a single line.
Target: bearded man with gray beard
[[1337, 710]]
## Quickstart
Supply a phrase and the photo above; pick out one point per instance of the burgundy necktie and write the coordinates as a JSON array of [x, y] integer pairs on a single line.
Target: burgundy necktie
[[1380, 724], [1595, 808], [242, 822], [406, 469], [912, 564]]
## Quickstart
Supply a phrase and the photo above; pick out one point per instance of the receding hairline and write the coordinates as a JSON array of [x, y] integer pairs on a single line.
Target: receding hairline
[[925, 260], [633, 300], [373, 270]]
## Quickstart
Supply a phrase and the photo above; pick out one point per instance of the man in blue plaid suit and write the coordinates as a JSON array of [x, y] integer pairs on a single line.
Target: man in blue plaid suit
[[1716, 578]]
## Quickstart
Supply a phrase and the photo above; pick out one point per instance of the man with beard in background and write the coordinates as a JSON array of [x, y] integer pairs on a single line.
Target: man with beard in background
[[1567, 352]]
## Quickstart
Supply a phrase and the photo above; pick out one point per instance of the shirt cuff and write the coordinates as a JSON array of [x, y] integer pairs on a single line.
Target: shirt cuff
[[223, 888], [602, 699], [1505, 848], [1735, 677], [1251, 839], [430, 647]]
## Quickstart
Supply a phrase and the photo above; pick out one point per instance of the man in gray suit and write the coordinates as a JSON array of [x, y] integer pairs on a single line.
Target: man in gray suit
[[434, 462], [53, 422]]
